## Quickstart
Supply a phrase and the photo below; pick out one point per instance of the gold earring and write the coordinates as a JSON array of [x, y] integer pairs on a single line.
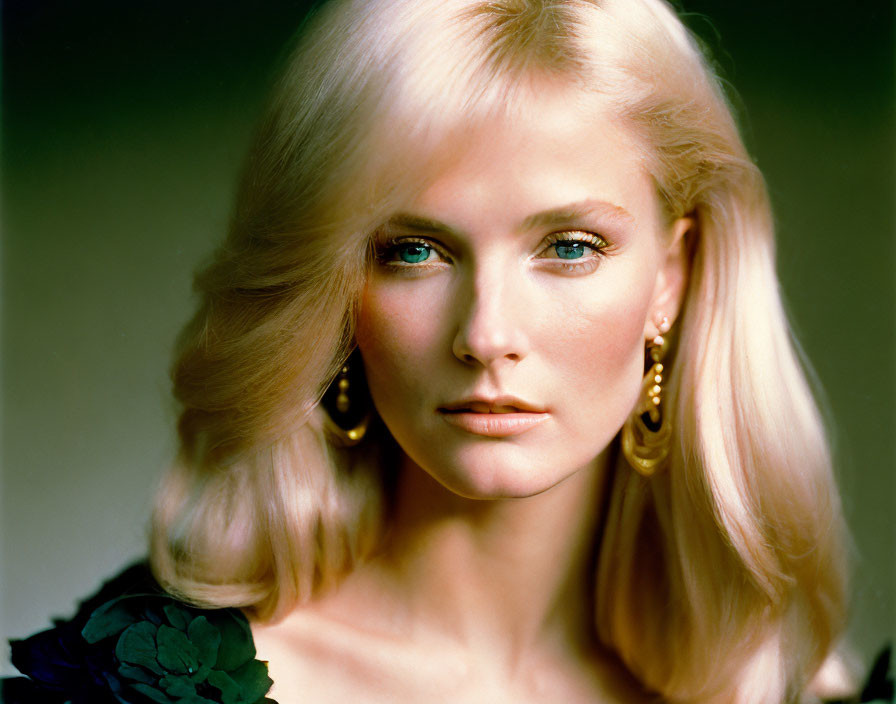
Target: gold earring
[[347, 419], [646, 433]]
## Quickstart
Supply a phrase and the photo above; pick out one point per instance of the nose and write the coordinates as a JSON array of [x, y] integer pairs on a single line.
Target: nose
[[491, 329]]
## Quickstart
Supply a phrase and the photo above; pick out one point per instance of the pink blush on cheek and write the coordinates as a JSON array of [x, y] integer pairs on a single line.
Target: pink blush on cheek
[[603, 367], [399, 342], [607, 332]]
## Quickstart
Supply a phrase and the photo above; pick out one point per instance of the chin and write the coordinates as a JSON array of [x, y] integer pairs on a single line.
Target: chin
[[491, 469], [492, 489], [490, 480]]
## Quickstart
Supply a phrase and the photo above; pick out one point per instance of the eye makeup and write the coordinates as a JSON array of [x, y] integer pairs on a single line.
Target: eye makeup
[[577, 251], [408, 254], [408, 243]]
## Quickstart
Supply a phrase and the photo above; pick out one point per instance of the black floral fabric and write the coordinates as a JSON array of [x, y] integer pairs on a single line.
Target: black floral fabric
[[132, 643]]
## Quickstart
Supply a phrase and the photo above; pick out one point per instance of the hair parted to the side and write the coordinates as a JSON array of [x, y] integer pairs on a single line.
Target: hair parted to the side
[[721, 578]]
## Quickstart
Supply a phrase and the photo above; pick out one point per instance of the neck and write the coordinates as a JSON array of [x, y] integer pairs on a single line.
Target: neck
[[510, 577]]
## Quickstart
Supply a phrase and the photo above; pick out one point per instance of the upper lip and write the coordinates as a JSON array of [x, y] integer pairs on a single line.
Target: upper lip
[[493, 404]]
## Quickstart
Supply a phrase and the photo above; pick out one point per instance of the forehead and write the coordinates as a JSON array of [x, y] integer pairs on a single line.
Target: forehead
[[553, 147]]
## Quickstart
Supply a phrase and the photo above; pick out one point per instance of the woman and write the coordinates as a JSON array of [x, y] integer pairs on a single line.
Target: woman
[[485, 397]]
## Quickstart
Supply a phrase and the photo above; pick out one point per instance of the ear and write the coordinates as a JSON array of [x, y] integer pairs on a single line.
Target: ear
[[671, 278]]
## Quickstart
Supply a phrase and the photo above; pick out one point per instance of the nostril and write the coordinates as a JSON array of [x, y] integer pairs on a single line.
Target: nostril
[[468, 358]]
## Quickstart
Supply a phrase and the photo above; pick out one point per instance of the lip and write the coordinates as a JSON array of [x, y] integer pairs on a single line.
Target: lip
[[494, 404], [496, 417], [494, 425]]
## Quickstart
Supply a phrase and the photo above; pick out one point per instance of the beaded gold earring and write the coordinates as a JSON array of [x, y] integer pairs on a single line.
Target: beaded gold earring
[[346, 402], [646, 433]]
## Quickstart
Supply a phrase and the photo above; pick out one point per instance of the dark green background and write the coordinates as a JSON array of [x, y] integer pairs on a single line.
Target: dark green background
[[123, 126]]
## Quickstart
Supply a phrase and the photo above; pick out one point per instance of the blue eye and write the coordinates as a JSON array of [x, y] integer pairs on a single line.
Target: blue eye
[[573, 251], [413, 252], [569, 250], [408, 255]]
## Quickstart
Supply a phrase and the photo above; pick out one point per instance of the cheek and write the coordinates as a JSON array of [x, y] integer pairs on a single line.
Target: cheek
[[398, 342], [604, 333], [395, 318], [599, 354]]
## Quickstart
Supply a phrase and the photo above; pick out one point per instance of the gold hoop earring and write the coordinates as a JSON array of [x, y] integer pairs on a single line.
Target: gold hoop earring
[[347, 416], [646, 434]]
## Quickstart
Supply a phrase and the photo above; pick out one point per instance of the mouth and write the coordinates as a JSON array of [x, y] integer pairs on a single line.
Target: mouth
[[496, 406], [495, 418]]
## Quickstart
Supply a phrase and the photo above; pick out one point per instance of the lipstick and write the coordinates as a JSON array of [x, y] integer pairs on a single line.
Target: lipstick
[[494, 425]]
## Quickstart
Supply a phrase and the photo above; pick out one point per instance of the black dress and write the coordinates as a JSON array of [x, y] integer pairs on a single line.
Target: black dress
[[132, 643]]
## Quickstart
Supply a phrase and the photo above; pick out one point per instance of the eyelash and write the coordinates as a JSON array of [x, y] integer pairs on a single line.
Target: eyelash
[[386, 254], [596, 243]]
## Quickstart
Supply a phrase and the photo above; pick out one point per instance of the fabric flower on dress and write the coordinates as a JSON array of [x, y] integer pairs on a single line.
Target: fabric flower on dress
[[141, 648]]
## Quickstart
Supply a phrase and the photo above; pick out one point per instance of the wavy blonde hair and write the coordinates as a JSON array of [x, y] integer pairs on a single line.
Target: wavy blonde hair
[[721, 578]]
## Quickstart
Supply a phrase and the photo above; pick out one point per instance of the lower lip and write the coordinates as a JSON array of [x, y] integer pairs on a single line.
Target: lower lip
[[494, 425]]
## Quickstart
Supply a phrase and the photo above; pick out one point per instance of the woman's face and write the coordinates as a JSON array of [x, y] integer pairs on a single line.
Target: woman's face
[[504, 321]]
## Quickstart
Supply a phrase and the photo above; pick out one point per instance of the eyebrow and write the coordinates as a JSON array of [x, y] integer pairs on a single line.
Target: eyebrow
[[563, 215]]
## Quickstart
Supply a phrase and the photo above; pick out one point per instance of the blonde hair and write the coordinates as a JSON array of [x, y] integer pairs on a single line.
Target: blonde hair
[[720, 578]]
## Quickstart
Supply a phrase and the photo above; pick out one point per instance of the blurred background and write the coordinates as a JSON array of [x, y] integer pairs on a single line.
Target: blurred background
[[123, 127]]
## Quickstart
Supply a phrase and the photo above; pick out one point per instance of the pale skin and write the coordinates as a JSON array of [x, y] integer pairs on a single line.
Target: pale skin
[[482, 591]]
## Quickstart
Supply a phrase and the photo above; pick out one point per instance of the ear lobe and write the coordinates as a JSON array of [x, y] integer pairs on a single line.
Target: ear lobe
[[672, 277]]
